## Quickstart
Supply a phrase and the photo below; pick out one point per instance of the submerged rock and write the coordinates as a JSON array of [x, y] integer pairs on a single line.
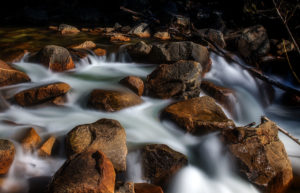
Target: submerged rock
[[261, 156], [106, 135], [161, 163], [179, 80], [134, 83], [174, 51], [31, 140], [7, 154], [108, 100], [198, 116], [10, 76], [54, 57], [67, 29], [41, 94], [147, 188], [89, 171]]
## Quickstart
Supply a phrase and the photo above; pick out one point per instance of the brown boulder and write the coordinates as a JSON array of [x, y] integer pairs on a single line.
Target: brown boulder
[[119, 37], [160, 163], [198, 116], [99, 52], [179, 80], [46, 148], [54, 57], [89, 171], [106, 135], [141, 30], [162, 35], [174, 51], [84, 45], [67, 29], [7, 154], [213, 35], [134, 83], [147, 188], [41, 94], [31, 140], [261, 156], [139, 51], [10, 76], [108, 100], [224, 96]]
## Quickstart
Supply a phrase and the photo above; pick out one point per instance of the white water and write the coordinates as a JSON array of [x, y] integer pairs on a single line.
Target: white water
[[209, 170]]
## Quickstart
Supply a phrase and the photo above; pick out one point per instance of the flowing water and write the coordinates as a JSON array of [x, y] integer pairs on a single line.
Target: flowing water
[[209, 170]]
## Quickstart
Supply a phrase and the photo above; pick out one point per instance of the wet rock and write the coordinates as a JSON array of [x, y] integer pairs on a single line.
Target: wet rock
[[106, 135], [99, 52], [89, 171], [160, 163], [47, 147], [224, 96], [10, 76], [261, 156], [139, 51], [213, 35], [127, 187], [147, 188], [67, 29], [180, 20], [179, 80], [78, 54], [84, 45], [108, 100], [54, 57], [41, 94], [174, 51], [119, 37], [162, 35], [198, 116], [31, 140], [141, 30], [7, 154], [134, 83], [14, 56]]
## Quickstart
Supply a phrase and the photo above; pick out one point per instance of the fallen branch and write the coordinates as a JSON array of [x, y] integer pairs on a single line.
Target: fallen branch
[[264, 119]]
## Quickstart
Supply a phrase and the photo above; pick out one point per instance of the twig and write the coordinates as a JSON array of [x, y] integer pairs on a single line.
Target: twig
[[264, 119]]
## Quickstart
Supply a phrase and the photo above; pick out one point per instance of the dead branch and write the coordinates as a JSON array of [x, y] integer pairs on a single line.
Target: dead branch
[[264, 118]]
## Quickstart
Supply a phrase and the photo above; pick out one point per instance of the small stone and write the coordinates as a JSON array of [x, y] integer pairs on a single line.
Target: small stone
[[134, 83], [67, 29], [119, 37], [31, 140], [46, 148], [99, 52], [84, 45], [162, 35]]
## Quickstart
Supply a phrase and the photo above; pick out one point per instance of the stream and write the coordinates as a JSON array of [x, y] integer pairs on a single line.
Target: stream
[[209, 169]]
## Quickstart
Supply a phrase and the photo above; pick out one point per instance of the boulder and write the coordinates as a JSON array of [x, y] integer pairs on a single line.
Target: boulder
[[224, 96], [31, 140], [67, 29], [198, 116], [162, 35], [10, 76], [47, 147], [141, 30], [213, 35], [134, 83], [261, 156], [99, 52], [78, 54], [139, 51], [41, 94], [160, 163], [106, 135], [54, 57], [174, 51], [119, 37], [179, 80], [7, 154], [147, 188], [90, 171], [108, 100], [84, 45]]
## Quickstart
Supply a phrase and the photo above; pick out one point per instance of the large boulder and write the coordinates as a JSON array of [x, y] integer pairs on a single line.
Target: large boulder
[[41, 94], [89, 171], [261, 156], [174, 51], [198, 116], [7, 154], [179, 80], [108, 100], [161, 163], [134, 83], [212, 35], [54, 57], [10, 76], [106, 135]]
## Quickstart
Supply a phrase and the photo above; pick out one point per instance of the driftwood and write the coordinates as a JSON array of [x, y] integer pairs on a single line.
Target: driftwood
[[264, 118]]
